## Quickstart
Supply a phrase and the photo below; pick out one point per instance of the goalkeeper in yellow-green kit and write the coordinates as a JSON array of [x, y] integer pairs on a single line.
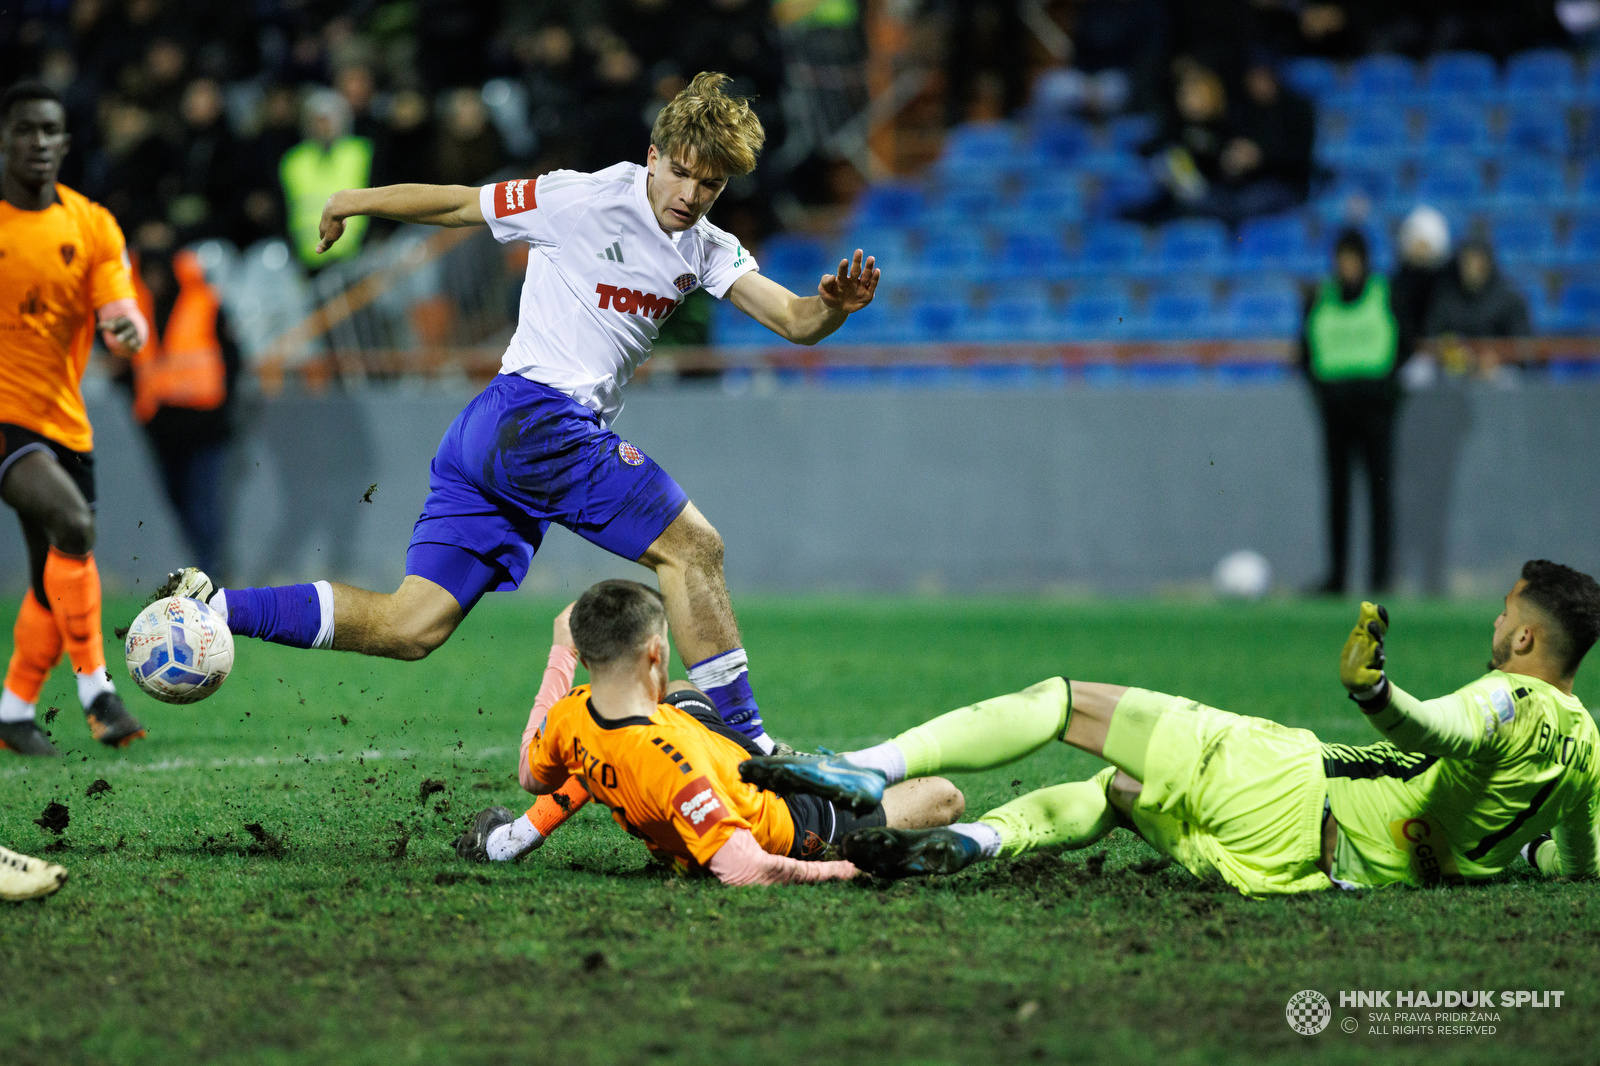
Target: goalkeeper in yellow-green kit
[[1459, 787]]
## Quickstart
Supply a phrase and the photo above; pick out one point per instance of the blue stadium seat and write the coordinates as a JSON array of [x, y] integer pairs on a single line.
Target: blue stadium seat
[[891, 248], [1180, 312], [1538, 128], [1263, 307], [1529, 181], [1098, 312], [1543, 75], [1059, 140], [789, 253], [1278, 242], [730, 326], [1383, 76], [1462, 75], [1578, 309], [1457, 128], [1376, 139], [1035, 254], [1524, 240], [1313, 77], [1129, 133], [1196, 244], [1447, 179], [1012, 317], [981, 144], [889, 205], [1587, 194], [957, 207], [940, 318], [1052, 205], [954, 255], [1582, 248], [1128, 189], [1110, 247]]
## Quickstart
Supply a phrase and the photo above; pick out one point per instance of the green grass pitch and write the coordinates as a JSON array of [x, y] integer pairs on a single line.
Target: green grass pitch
[[342, 929]]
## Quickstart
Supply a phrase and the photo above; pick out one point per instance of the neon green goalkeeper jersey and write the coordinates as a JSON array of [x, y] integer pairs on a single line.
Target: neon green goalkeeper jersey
[[1463, 782]]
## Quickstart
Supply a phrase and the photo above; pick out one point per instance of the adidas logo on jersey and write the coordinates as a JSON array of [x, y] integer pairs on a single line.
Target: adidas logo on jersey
[[613, 253], [632, 301]]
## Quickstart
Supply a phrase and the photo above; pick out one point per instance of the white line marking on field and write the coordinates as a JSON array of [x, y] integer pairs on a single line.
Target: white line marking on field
[[176, 763]]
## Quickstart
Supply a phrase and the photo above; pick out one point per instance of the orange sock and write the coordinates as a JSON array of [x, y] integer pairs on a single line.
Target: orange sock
[[548, 812], [73, 585], [36, 649]]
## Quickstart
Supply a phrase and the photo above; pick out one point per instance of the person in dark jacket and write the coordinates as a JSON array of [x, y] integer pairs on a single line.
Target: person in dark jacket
[[1475, 300], [1351, 354]]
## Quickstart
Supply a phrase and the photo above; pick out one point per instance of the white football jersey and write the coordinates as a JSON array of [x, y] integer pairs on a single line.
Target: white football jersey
[[602, 275]]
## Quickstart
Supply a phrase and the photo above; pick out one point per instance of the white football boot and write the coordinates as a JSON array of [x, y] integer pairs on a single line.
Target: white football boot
[[24, 877], [190, 582]]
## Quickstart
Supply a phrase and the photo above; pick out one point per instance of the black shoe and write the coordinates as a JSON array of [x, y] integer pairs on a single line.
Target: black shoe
[[110, 721], [26, 738], [896, 853], [473, 845]]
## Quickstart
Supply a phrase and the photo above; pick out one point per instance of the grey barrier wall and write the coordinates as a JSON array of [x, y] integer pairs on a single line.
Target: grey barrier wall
[[1117, 490]]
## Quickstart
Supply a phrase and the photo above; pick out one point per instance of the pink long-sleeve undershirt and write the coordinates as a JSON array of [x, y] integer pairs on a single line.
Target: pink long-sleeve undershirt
[[742, 862], [558, 674]]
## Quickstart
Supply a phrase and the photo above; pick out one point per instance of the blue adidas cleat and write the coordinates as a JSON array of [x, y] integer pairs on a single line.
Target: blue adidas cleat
[[827, 776], [893, 853]]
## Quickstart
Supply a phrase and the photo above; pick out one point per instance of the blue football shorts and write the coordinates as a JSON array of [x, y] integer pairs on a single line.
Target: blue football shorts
[[520, 456]]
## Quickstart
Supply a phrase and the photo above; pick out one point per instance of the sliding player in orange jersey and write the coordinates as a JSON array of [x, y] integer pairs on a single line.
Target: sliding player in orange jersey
[[63, 272], [666, 765]]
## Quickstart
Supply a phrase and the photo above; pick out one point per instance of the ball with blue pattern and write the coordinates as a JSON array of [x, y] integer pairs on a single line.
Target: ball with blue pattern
[[179, 650]]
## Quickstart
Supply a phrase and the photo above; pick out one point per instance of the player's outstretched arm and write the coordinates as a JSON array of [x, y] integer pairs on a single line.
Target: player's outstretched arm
[[557, 682], [1449, 727], [808, 319], [741, 861], [430, 205]]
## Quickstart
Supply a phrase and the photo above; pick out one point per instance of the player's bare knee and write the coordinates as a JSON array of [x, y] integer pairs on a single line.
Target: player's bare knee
[[948, 802]]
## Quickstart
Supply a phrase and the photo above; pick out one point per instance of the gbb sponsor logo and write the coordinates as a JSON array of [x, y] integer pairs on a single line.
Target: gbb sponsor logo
[[513, 197], [634, 302]]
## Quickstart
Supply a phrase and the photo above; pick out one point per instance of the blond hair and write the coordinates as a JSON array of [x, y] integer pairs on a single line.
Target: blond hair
[[722, 132]]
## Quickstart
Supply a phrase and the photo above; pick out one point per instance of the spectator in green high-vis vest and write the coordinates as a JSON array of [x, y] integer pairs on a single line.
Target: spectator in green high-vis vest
[[328, 160], [1351, 350]]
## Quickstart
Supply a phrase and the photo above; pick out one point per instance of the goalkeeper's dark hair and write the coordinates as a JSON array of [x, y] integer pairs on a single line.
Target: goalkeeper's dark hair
[[613, 619], [26, 91], [1352, 239], [1572, 601]]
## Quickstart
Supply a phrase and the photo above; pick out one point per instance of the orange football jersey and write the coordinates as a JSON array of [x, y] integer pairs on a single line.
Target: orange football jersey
[[667, 779], [57, 267]]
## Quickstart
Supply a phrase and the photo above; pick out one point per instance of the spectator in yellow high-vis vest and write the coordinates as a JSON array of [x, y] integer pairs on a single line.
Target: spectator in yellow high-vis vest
[[1351, 351], [328, 160]]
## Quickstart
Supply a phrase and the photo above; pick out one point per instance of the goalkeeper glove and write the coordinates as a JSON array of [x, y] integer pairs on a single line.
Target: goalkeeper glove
[[1361, 664]]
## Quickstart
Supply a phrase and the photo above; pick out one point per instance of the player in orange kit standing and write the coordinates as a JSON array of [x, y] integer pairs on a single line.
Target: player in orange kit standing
[[63, 272]]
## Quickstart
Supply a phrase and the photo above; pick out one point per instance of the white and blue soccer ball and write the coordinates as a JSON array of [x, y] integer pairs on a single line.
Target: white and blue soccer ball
[[179, 650], [1242, 575]]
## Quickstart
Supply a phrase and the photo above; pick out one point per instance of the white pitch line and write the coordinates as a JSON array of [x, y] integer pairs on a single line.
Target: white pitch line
[[179, 763]]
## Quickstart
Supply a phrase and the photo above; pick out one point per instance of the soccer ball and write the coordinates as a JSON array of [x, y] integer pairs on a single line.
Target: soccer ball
[[179, 650], [1242, 575]]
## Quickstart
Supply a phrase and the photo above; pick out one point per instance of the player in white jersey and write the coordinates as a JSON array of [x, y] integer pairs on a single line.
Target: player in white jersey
[[613, 253]]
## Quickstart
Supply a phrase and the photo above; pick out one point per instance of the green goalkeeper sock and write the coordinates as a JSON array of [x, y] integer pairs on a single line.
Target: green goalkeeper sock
[[1074, 815], [988, 734]]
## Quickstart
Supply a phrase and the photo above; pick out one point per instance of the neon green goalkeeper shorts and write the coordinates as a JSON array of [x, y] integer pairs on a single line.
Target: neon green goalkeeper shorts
[[1234, 799]]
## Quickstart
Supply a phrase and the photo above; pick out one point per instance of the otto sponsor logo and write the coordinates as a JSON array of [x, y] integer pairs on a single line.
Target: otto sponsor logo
[[698, 803], [513, 197], [634, 302]]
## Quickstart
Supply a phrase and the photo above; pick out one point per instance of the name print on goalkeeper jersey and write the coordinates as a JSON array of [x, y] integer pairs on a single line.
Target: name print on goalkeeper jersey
[[668, 779]]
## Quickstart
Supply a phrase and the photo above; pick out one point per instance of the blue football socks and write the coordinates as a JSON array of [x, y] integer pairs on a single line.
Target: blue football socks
[[726, 679], [300, 616]]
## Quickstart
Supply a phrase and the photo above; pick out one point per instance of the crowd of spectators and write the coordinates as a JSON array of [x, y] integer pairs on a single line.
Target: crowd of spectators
[[190, 113]]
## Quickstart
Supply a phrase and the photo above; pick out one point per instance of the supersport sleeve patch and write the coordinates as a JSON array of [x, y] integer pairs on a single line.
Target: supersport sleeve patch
[[514, 197], [698, 804]]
